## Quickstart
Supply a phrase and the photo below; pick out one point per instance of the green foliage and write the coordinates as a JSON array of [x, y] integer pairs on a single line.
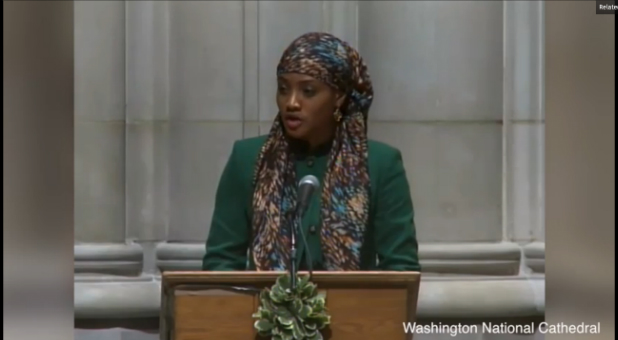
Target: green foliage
[[286, 314]]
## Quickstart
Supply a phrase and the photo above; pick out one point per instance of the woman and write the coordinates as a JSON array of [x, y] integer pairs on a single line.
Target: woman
[[360, 219]]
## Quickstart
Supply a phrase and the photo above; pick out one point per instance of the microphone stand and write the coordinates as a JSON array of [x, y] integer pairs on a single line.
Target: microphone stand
[[297, 227], [293, 269]]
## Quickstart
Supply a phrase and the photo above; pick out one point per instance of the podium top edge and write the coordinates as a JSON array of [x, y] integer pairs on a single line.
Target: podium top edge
[[236, 277]]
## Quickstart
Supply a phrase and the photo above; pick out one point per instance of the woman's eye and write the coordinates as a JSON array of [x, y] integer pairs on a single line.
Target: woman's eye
[[308, 92], [282, 89]]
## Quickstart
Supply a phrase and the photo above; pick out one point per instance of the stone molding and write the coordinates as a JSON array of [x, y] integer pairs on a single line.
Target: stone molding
[[100, 293], [461, 259], [497, 297], [439, 297], [494, 259], [535, 256], [110, 258], [471, 258], [103, 298]]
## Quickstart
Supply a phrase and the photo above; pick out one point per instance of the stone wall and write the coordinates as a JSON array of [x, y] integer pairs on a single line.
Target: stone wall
[[164, 88]]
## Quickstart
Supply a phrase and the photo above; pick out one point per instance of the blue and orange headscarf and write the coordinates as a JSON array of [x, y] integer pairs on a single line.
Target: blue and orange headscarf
[[345, 189]]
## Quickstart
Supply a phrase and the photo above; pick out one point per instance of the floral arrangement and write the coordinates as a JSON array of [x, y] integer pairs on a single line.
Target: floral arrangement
[[292, 314]]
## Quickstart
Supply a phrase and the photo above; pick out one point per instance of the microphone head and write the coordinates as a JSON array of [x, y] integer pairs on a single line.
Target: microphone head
[[309, 180]]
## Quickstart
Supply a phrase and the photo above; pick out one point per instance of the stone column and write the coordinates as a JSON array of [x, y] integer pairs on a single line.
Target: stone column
[[100, 230], [523, 132], [147, 124], [206, 108]]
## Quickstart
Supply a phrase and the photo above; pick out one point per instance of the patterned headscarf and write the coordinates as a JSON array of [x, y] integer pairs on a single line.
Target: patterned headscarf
[[345, 188]]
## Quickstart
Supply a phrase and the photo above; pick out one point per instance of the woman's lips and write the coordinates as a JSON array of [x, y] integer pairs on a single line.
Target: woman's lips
[[292, 122]]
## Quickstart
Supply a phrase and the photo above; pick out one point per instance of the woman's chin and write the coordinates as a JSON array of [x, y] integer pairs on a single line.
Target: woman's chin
[[296, 134]]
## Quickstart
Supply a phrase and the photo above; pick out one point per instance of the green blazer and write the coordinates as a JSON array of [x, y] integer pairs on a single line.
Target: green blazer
[[390, 240]]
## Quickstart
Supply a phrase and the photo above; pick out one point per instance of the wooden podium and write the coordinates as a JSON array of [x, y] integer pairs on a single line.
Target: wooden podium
[[219, 305]]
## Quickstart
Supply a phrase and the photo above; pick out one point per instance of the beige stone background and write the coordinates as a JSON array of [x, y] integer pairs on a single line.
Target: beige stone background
[[162, 89], [116, 259]]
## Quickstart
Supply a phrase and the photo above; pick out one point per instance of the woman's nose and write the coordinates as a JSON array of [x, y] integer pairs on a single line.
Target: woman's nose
[[292, 103]]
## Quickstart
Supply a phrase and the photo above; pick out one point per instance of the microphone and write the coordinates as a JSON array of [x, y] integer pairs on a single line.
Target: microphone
[[306, 187]]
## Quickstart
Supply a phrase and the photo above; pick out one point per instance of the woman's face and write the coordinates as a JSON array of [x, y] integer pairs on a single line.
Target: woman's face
[[307, 107]]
